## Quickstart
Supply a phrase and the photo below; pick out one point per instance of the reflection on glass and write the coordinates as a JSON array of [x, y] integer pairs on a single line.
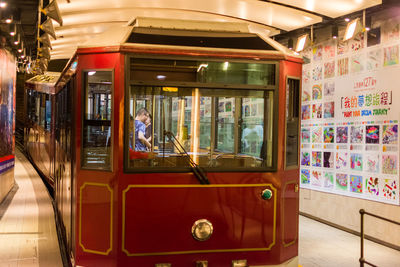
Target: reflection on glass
[[96, 152], [261, 74], [225, 125], [207, 124], [252, 126]]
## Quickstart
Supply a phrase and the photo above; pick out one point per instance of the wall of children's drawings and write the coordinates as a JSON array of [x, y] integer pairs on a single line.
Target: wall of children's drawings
[[350, 116]]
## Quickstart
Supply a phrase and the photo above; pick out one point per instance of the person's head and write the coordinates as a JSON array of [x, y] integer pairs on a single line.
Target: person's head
[[148, 120], [142, 114]]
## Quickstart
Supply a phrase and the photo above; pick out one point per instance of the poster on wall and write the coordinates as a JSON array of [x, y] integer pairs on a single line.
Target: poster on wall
[[350, 118], [7, 110]]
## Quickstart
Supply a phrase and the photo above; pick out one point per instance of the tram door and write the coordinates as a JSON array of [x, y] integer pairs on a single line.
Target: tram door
[[63, 176]]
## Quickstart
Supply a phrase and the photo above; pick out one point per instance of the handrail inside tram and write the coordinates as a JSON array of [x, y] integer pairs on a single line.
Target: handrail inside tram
[[197, 170]]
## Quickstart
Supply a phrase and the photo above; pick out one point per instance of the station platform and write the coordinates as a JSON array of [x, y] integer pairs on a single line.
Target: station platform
[[28, 235]]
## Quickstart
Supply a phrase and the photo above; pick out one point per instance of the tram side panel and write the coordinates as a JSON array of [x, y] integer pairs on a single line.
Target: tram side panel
[[39, 143], [62, 160], [96, 222], [289, 79]]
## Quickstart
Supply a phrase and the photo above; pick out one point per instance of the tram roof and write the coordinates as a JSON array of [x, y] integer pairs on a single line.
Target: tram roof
[[83, 20], [191, 33], [43, 82]]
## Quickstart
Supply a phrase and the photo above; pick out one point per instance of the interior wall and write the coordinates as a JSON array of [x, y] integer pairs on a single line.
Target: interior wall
[[7, 121], [341, 210], [6, 183]]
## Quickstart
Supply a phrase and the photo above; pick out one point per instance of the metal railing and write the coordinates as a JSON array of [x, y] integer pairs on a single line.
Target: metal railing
[[363, 212]]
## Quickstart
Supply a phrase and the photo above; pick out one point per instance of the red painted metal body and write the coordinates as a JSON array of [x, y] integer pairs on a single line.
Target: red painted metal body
[[140, 219], [144, 219]]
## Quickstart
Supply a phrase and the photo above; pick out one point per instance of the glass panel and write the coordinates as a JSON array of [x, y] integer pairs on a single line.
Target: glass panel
[[252, 135], [198, 123], [48, 114], [202, 71], [44, 110], [205, 122], [225, 125], [292, 121], [236, 73], [32, 105], [96, 152], [37, 107]]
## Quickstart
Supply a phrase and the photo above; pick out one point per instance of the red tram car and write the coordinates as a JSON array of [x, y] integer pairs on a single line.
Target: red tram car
[[172, 145]]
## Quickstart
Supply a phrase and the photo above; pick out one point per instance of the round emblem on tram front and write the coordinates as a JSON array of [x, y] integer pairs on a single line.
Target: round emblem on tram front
[[202, 230]]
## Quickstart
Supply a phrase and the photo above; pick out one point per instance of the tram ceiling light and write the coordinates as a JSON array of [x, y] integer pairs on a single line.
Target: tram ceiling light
[[91, 73], [302, 42], [226, 65], [201, 67], [52, 11], [8, 21], [3, 4], [347, 19], [161, 77], [353, 27]]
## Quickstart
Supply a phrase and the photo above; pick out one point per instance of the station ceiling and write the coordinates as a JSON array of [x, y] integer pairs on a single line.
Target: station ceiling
[[85, 19]]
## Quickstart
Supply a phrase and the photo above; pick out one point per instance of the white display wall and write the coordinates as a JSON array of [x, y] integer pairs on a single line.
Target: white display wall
[[350, 116]]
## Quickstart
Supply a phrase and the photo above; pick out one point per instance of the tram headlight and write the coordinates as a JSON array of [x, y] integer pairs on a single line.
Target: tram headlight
[[202, 230]]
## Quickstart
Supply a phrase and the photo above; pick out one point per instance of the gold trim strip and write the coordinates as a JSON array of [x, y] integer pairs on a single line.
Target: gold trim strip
[[285, 245], [197, 251], [111, 219]]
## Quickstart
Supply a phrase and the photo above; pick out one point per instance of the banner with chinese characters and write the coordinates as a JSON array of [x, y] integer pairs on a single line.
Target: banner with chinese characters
[[7, 112], [350, 118]]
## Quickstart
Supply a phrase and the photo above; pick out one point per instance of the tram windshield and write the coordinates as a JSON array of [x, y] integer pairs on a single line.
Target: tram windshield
[[220, 128]]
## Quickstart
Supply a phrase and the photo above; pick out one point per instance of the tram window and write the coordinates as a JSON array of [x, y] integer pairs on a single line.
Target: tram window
[[292, 121], [252, 126], [43, 110], [217, 128], [203, 71], [97, 120], [237, 73], [225, 121], [37, 107], [32, 105]]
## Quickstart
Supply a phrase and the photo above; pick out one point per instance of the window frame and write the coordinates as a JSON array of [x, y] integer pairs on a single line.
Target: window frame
[[84, 84], [270, 88], [289, 109]]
